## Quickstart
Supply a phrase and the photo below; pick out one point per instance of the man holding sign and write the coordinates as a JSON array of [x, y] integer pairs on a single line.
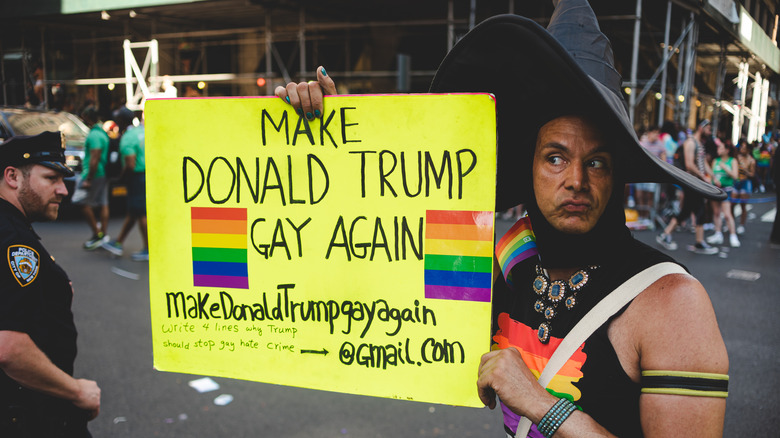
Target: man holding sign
[[274, 242], [655, 365]]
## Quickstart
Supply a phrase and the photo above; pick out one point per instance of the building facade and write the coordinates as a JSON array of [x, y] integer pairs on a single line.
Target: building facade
[[681, 60]]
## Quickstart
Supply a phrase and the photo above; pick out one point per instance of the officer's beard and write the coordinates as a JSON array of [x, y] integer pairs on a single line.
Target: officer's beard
[[35, 207]]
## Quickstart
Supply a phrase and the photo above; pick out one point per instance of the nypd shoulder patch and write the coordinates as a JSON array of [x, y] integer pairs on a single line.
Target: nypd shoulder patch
[[24, 263]]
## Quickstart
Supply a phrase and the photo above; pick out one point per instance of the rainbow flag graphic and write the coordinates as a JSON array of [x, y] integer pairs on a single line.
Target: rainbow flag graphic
[[518, 244], [515, 334], [458, 255], [219, 248]]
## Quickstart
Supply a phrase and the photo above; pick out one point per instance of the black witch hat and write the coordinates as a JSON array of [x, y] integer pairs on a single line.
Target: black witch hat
[[539, 74]]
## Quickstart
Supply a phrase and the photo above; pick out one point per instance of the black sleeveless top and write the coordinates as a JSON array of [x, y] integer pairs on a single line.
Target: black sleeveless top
[[593, 378]]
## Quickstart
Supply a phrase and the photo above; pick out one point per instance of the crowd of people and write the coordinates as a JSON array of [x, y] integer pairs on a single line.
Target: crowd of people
[[93, 184], [716, 160]]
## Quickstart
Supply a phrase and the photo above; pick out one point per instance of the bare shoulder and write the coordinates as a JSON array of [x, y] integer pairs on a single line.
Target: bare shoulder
[[673, 327]]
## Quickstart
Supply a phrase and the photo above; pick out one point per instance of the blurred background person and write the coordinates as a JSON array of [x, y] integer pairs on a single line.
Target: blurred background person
[[763, 161], [695, 164], [743, 185], [724, 173], [645, 192], [668, 130], [94, 181], [132, 148]]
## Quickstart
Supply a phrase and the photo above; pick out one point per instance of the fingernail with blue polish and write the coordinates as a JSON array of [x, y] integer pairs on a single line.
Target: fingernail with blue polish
[[299, 111], [310, 116], [287, 98], [317, 113], [324, 73]]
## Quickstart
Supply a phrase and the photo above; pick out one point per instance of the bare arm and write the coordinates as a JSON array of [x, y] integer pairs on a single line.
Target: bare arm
[[673, 327], [730, 170], [670, 326], [733, 170], [129, 163], [94, 159], [503, 373], [25, 363], [708, 173], [690, 159]]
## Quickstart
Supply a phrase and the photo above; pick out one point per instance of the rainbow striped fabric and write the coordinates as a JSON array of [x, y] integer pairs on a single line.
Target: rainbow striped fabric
[[458, 255], [517, 245], [514, 334], [219, 247]]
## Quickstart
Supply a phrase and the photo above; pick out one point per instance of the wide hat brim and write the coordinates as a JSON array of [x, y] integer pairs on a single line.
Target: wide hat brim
[[535, 79]]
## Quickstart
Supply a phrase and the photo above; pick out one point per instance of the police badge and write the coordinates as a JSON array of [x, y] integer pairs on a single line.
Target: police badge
[[23, 261]]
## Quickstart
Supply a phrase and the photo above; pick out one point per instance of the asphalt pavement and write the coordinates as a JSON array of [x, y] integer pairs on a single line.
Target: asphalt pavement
[[111, 307]]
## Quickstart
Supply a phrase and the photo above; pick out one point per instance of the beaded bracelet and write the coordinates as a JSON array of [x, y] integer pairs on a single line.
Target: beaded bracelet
[[553, 419]]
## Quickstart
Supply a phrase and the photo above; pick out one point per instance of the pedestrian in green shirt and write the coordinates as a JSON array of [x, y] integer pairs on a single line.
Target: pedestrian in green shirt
[[132, 149], [93, 180]]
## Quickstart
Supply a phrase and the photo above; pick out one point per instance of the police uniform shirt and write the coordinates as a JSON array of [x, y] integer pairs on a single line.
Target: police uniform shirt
[[35, 294]]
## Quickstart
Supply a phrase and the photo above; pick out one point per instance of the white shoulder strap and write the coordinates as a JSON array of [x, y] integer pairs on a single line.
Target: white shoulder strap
[[594, 319]]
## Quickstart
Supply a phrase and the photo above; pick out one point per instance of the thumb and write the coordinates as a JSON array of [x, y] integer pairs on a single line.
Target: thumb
[[327, 84]]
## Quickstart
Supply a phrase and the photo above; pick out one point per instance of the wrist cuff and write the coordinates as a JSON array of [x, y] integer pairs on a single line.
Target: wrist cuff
[[553, 419]]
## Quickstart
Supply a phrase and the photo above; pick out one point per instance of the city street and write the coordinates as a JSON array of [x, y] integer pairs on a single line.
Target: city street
[[111, 307]]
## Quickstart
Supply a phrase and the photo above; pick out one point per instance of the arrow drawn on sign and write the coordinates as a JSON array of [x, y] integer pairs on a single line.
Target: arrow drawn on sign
[[323, 352]]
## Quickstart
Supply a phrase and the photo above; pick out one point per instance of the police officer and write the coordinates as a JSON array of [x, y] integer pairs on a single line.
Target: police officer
[[38, 395]]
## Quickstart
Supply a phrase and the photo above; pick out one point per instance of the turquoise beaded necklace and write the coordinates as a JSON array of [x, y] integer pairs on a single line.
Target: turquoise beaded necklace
[[552, 293]]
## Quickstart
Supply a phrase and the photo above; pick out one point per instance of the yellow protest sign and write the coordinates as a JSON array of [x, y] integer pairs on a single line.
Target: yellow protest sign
[[350, 254]]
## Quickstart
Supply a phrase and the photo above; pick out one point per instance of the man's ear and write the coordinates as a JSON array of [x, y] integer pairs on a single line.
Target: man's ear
[[12, 177]]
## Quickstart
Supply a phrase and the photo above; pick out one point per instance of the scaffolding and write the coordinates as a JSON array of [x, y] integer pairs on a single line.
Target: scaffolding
[[284, 48]]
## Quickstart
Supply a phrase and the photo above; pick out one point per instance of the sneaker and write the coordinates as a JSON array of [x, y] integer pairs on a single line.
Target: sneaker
[[96, 241], [666, 241], [716, 239], [113, 247], [703, 248], [740, 230], [140, 256], [734, 241]]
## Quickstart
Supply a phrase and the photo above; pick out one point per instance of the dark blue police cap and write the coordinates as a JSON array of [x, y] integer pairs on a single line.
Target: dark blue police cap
[[46, 149]]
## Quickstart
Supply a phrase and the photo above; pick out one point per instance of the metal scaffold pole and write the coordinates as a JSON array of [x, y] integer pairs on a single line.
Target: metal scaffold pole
[[689, 73], [635, 61], [719, 87], [667, 55], [678, 84]]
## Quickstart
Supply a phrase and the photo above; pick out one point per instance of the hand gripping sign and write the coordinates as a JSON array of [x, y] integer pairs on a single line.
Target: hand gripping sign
[[350, 254]]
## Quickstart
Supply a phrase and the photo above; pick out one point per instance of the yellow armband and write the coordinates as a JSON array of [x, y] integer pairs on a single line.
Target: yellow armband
[[685, 383]]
